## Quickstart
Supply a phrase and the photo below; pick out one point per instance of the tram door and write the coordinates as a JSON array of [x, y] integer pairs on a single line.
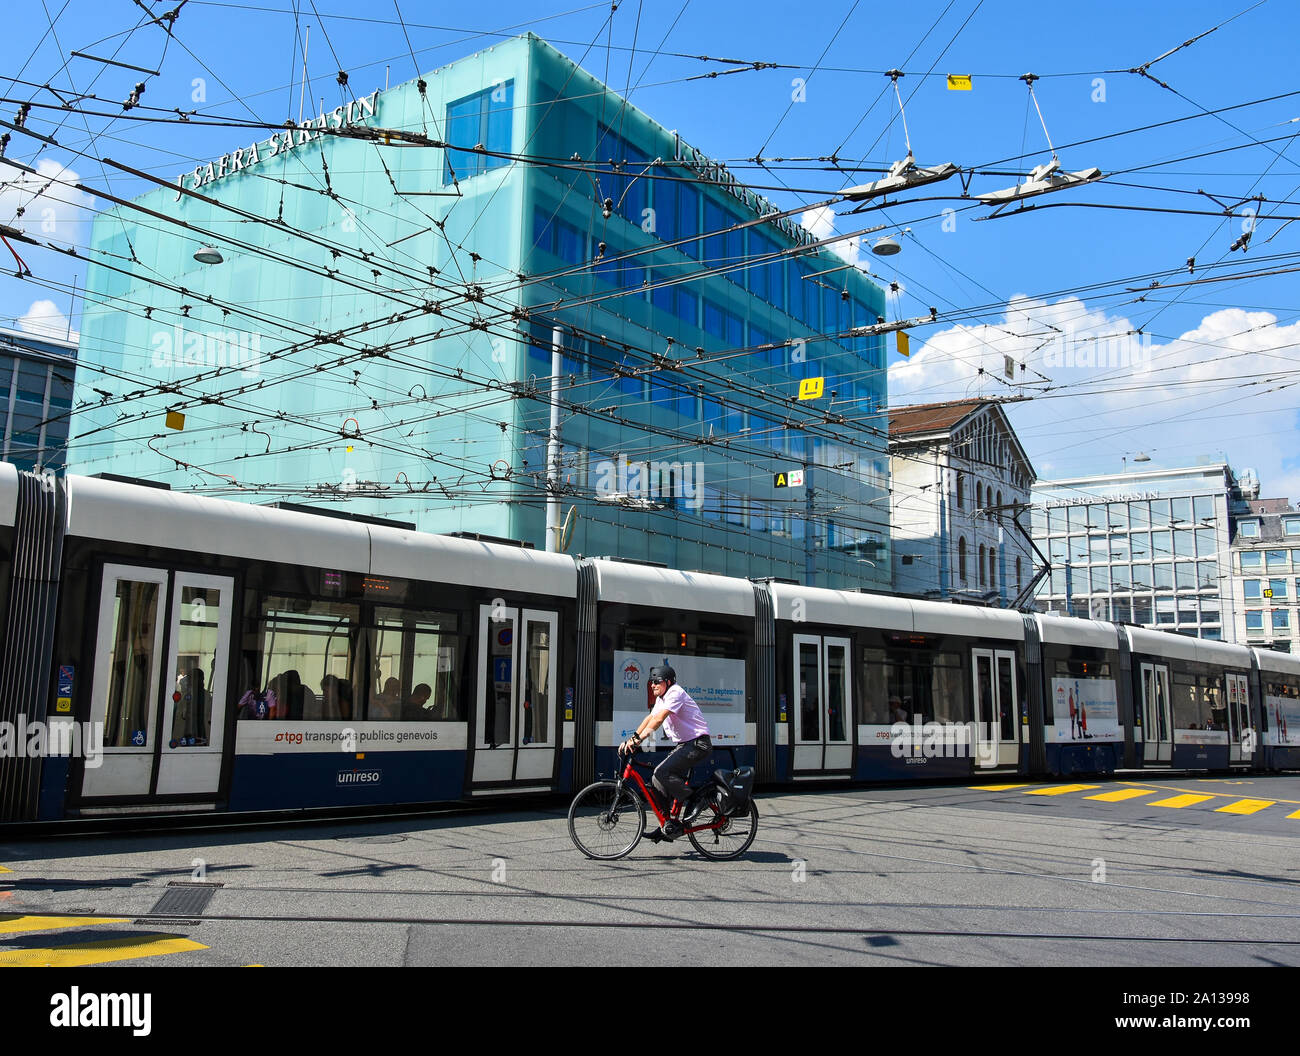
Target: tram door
[[1157, 721], [1241, 733], [516, 726], [159, 683], [823, 741], [997, 711]]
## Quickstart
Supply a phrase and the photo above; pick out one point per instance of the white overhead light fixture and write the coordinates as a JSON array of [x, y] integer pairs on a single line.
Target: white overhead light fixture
[[208, 255], [886, 247]]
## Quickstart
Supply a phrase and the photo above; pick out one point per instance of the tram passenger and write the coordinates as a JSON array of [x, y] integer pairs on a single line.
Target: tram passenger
[[683, 721], [417, 707], [388, 704]]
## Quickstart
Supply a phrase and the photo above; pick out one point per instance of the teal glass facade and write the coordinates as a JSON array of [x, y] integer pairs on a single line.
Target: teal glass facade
[[379, 332]]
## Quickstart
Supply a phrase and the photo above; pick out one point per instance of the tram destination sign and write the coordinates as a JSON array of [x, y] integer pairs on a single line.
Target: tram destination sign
[[790, 478]]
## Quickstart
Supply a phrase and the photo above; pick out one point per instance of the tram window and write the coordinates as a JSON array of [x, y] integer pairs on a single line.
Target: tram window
[[415, 665], [132, 661], [306, 648], [909, 686]]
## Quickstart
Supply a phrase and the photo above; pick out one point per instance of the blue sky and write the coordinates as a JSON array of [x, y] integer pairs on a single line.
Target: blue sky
[[1187, 372]]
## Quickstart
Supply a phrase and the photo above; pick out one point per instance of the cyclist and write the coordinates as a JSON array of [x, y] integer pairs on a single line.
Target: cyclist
[[684, 723]]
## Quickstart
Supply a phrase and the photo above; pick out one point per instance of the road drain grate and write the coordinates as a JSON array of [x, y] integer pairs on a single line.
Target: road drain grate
[[182, 900]]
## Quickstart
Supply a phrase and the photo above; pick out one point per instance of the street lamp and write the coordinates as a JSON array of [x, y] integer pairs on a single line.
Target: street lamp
[[208, 255]]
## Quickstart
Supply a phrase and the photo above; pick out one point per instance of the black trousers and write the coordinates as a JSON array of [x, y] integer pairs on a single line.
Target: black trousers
[[670, 775]]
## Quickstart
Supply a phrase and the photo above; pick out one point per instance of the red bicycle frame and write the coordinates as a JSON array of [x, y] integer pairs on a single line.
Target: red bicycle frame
[[629, 770]]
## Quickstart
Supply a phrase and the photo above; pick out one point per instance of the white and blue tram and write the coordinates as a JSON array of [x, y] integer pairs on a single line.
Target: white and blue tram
[[242, 658]]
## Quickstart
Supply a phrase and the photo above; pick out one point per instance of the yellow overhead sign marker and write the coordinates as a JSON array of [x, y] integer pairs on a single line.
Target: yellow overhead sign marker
[[811, 388], [960, 82], [904, 344], [175, 420]]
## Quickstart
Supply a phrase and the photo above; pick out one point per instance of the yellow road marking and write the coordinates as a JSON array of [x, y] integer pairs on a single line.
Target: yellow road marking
[[4, 870], [1245, 806], [1121, 794], [1179, 801], [11, 925], [124, 949], [1059, 790], [1195, 791], [994, 788], [1295, 815]]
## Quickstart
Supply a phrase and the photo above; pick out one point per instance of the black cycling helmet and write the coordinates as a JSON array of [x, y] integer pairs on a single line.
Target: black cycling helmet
[[665, 672]]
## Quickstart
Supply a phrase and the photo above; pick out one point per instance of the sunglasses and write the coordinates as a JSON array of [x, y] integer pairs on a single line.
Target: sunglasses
[[658, 681]]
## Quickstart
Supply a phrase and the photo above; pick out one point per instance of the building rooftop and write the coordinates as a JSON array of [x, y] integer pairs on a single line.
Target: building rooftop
[[920, 418]]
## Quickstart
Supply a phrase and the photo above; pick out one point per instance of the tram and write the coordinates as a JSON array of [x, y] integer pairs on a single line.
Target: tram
[[171, 654]]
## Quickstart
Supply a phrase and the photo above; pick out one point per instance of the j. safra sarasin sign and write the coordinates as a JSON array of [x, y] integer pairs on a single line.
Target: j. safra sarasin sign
[[280, 143]]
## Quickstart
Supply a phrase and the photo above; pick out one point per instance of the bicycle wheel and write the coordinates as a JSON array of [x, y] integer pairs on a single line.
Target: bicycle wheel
[[605, 821], [731, 838]]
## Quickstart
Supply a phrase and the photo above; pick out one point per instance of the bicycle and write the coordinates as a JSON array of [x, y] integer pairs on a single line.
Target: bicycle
[[611, 817]]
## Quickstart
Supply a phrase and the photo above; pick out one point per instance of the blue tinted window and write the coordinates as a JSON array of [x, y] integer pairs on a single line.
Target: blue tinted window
[[688, 217], [794, 304], [543, 231], [633, 276], [776, 281], [757, 338], [636, 198], [571, 244], [735, 251], [463, 120], [735, 336], [665, 298], [481, 119], [1254, 621], [686, 403], [500, 114], [573, 357], [714, 320], [715, 244], [688, 307], [758, 273], [665, 206], [661, 396]]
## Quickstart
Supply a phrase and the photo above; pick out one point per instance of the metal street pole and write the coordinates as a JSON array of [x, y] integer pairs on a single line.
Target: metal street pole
[[553, 446]]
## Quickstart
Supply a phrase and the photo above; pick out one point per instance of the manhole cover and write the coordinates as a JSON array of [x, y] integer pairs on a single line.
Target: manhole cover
[[181, 900]]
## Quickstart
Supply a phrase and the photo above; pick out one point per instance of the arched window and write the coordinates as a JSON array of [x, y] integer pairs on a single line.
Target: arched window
[[979, 495], [981, 564], [999, 502], [993, 569], [961, 558], [961, 501], [1017, 575]]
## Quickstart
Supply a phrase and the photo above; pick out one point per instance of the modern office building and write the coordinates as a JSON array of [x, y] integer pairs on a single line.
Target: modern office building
[[36, 385], [1266, 574], [358, 316], [1148, 548], [960, 477]]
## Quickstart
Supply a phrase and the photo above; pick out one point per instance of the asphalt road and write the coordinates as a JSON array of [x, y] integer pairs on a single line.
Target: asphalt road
[[1010, 875]]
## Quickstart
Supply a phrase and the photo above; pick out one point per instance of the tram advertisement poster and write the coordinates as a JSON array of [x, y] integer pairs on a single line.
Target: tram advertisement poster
[[1283, 720], [716, 685], [1084, 709]]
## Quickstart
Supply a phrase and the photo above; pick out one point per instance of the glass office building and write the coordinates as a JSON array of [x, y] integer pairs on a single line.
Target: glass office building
[[377, 335], [1147, 548], [36, 384]]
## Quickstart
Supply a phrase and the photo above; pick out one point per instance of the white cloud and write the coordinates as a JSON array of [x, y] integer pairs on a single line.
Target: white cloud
[[42, 208], [1102, 391], [43, 319]]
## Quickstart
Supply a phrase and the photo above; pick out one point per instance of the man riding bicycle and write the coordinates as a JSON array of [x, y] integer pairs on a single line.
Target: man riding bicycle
[[684, 723]]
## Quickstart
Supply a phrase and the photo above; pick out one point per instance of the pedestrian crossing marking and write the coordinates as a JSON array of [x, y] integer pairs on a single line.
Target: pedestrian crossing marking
[[1245, 806], [1179, 801], [13, 925], [995, 788], [1295, 815], [1122, 794], [1059, 790], [126, 948]]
